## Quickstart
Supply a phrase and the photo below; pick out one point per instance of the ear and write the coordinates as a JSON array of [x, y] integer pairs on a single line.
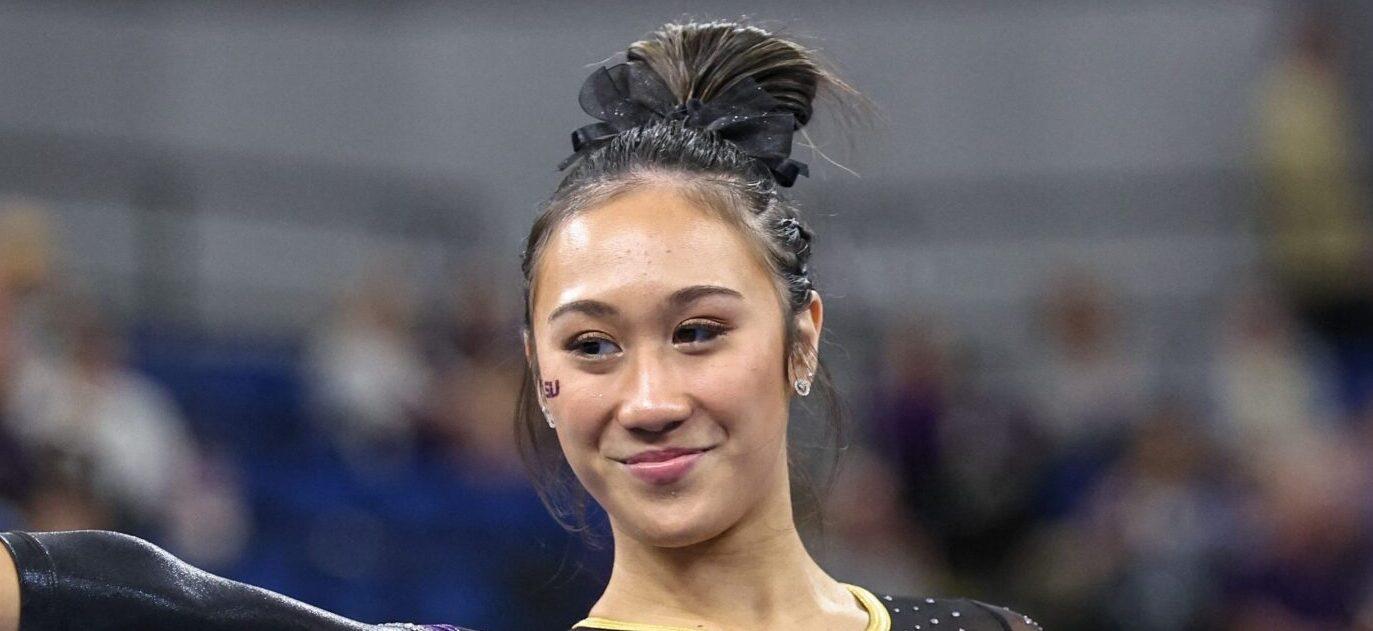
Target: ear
[[528, 348], [809, 324]]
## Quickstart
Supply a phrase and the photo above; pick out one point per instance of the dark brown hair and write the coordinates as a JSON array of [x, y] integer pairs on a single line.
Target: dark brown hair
[[695, 60]]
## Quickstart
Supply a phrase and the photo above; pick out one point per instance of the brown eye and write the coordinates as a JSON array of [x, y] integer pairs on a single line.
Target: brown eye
[[592, 347], [697, 332]]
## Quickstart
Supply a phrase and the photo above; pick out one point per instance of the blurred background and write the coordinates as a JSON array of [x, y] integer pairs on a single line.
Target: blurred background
[[1099, 297]]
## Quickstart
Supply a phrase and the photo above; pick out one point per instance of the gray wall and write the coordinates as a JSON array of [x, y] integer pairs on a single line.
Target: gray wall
[[280, 148]]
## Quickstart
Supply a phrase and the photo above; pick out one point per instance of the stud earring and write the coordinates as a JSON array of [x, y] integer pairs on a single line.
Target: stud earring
[[802, 386]]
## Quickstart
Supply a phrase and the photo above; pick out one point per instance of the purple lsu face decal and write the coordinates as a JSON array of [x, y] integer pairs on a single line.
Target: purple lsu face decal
[[551, 389]]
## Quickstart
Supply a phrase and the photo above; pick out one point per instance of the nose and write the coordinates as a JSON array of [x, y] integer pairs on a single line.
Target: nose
[[653, 403]]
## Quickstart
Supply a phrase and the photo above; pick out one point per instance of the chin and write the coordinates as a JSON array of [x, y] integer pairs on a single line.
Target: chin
[[661, 535], [673, 524]]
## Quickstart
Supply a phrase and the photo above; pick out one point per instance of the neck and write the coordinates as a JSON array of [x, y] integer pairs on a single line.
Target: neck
[[757, 574]]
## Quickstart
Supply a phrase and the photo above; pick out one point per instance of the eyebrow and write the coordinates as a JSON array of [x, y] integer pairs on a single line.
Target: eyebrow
[[679, 298]]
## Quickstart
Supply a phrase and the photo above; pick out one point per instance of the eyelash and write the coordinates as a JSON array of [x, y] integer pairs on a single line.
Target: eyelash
[[576, 342], [713, 329]]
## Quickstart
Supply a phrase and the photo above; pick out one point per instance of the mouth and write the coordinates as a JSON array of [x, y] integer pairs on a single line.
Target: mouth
[[664, 466]]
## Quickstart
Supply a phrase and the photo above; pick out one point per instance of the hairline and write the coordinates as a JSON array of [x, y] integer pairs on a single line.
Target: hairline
[[701, 191]]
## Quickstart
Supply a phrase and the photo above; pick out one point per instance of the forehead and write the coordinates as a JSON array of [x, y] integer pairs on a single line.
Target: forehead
[[645, 243]]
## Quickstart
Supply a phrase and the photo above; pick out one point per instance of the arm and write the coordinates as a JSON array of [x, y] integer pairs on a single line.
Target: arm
[[107, 581]]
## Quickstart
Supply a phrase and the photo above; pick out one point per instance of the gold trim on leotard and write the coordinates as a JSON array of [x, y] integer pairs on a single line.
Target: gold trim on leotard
[[878, 618], [615, 625]]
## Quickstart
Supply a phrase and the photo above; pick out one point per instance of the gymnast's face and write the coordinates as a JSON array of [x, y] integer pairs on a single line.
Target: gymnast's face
[[664, 333]]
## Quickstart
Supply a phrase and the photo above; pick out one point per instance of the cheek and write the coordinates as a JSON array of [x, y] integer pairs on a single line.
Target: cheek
[[582, 403], [742, 390], [581, 411]]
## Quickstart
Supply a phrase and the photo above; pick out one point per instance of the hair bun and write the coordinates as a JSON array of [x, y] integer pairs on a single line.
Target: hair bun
[[702, 61]]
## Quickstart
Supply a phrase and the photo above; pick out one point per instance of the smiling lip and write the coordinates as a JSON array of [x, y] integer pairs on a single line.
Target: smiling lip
[[664, 466]]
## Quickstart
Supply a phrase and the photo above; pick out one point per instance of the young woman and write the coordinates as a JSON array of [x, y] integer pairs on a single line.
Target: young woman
[[670, 323]]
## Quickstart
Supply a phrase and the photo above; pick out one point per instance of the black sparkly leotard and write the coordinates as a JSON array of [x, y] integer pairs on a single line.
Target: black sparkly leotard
[[953, 614], [96, 580]]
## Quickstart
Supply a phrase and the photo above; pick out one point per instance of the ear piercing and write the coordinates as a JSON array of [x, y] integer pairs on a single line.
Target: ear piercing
[[802, 384]]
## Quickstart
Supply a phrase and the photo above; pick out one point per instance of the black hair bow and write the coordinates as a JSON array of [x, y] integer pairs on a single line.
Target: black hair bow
[[629, 95]]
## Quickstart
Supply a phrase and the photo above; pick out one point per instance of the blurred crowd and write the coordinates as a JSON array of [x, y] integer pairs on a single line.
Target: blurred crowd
[[370, 468], [1097, 495]]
